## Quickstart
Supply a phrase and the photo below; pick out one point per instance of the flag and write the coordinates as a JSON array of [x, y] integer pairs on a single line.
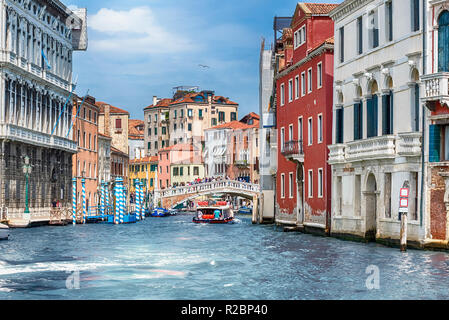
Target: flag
[[45, 59]]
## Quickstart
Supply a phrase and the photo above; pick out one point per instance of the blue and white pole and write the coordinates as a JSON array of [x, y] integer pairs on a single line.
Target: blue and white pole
[[117, 201], [107, 197], [83, 186], [122, 201], [142, 211], [137, 188], [74, 200], [102, 199]]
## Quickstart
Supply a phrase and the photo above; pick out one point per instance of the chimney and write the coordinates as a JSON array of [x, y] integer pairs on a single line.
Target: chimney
[[154, 100], [107, 119]]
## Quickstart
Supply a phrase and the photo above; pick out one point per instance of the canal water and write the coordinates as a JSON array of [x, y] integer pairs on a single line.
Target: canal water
[[172, 258]]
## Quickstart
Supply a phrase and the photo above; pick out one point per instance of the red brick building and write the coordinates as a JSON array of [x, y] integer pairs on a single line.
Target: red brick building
[[304, 86]]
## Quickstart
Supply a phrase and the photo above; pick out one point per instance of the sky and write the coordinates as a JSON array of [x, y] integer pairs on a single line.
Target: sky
[[143, 48]]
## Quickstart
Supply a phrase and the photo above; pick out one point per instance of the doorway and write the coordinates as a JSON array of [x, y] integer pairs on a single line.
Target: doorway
[[371, 208]]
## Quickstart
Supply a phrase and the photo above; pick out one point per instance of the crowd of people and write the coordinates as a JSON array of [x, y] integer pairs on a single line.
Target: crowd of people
[[206, 180]]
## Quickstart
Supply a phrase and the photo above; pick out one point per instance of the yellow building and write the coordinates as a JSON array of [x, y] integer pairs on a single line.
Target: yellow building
[[143, 169]]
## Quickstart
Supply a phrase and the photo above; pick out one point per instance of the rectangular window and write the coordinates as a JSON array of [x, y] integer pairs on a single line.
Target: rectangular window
[[360, 35], [189, 127], [320, 183], [389, 20], [373, 29], [320, 128], [290, 185], [175, 171], [300, 37], [300, 129], [118, 123], [149, 118], [196, 171], [342, 44], [176, 113], [296, 87], [214, 121], [233, 116], [303, 84], [290, 90], [282, 94], [221, 116], [310, 131], [200, 113], [282, 186], [358, 121], [415, 15], [387, 194], [357, 195], [149, 145], [310, 183], [319, 75], [387, 113], [371, 109], [290, 132], [190, 113], [415, 92], [282, 139], [339, 125], [309, 78], [155, 131], [164, 130], [413, 202]]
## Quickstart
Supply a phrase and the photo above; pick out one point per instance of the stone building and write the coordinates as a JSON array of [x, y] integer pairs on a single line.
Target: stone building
[[136, 139], [37, 39], [377, 118], [436, 99], [119, 165], [85, 161], [114, 122], [104, 158], [183, 118]]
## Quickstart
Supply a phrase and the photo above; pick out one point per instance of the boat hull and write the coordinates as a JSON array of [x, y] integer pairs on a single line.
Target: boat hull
[[213, 221]]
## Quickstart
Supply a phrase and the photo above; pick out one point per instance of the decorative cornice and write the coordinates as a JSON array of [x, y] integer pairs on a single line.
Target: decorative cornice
[[346, 7]]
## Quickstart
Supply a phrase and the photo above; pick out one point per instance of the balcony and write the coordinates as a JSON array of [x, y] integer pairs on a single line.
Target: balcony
[[293, 151], [409, 144], [373, 148], [241, 163], [337, 153], [436, 88]]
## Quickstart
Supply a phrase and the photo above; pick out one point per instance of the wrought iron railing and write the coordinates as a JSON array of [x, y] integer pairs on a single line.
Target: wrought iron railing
[[291, 148]]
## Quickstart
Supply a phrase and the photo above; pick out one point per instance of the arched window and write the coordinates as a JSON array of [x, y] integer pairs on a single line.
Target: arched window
[[443, 42], [387, 109], [371, 111]]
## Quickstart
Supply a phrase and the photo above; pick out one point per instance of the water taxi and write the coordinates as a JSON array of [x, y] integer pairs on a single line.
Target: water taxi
[[4, 232], [245, 210], [219, 213]]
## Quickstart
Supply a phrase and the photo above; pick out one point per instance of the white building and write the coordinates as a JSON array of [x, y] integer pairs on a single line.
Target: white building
[[377, 118], [37, 39]]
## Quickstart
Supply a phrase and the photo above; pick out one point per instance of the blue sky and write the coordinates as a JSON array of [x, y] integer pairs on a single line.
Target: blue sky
[[141, 48]]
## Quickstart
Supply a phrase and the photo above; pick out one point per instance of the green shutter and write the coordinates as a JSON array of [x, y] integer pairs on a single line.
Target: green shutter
[[385, 115], [356, 121], [391, 112], [375, 116], [434, 143]]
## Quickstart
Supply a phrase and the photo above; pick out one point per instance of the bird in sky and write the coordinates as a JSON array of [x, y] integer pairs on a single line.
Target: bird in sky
[[204, 66]]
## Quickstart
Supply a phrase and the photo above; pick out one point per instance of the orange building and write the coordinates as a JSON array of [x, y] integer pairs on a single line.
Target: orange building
[[85, 161]]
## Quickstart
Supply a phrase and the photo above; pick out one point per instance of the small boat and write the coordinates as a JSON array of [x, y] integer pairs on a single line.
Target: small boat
[[160, 212], [173, 212], [245, 210], [4, 232], [219, 213]]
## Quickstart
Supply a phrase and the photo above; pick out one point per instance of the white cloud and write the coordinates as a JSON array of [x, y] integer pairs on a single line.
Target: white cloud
[[134, 31]]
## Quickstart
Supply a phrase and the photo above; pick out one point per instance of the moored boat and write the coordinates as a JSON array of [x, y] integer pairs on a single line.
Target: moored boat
[[160, 212], [245, 210], [219, 213], [4, 232]]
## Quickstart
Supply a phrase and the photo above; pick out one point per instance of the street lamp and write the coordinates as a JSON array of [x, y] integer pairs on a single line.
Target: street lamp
[[27, 172]]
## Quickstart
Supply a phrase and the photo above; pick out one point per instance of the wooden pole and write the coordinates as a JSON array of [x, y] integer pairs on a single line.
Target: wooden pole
[[404, 232]]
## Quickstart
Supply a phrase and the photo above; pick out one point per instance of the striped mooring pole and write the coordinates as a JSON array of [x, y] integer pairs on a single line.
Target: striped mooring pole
[[137, 199], [142, 211], [107, 197], [117, 201], [102, 199], [74, 201], [83, 187], [121, 200]]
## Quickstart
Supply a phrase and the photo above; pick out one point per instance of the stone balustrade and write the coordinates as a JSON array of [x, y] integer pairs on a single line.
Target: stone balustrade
[[409, 144], [209, 186], [436, 86]]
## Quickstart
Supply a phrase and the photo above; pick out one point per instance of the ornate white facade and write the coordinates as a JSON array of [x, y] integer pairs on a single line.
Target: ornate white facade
[[36, 48]]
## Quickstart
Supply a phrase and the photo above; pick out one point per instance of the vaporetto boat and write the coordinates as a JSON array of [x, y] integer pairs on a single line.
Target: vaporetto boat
[[219, 213]]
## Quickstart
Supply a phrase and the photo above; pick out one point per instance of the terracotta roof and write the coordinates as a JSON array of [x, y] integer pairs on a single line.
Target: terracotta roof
[[162, 103], [327, 41], [133, 132], [113, 109], [115, 150], [319, 8], [236, 125], [154, 159], [141, 160], [104, 135]]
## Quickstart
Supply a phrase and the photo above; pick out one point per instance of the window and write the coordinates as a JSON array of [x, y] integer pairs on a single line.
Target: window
[[164, 130], [290, 90], [155, 131], [309, 80], [300, 37], [387, 113], [371, 126], [319, 75], [387, 195], [196, 171], [358, 121], [233, 116], [181, 171], [320, 128], [413, 203], [149, 118], [290, 185], [118, 123], [190, 113], [200, 113], [310, 131], [174, 127], [415, 103], [303, 84], [342, 44], [320, 183], [189, 127], [155, 145], [282, 139], [282, 185], [149, 131], [282, 94], [290, 132], [300, 129], [175, 171], [176, 114], [360, 35], [373, 28], [90, 140], [221, 116], [310, 184], [389, 20], [339, 125], [415, 15], [296, 87], [214, 121]]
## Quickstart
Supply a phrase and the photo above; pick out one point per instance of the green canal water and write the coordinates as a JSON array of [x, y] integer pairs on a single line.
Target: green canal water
[[172, 258]]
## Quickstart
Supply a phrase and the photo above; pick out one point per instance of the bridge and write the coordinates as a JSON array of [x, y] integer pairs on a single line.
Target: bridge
[[173, 196]]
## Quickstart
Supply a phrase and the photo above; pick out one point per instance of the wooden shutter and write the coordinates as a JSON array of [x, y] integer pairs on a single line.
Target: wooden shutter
[[391, 112], [434, 143]]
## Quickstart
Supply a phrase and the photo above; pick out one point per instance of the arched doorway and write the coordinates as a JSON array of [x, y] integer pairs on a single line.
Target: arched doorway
[[371, 207], [300, 188], [443, 42]]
